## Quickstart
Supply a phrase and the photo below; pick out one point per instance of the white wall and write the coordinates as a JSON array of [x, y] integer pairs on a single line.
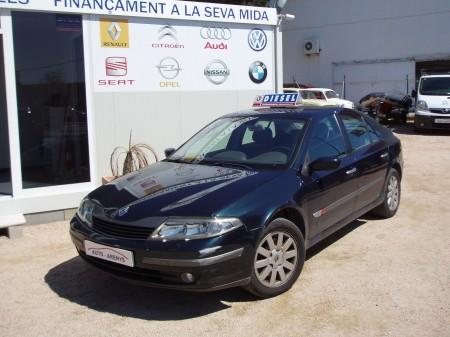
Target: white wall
[[365, 32], [161, 120]]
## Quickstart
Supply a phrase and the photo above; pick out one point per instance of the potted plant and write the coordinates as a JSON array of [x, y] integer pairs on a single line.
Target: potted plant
[[125, 160]]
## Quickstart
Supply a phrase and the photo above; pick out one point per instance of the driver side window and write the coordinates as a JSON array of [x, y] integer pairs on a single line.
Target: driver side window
[[326, 140]]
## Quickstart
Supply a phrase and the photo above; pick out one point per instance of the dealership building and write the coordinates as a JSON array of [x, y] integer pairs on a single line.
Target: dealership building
[[371, 46], [77, 77]]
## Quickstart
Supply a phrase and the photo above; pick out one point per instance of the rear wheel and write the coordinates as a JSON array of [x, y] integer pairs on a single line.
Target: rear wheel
[[279, 258], [392, 193]]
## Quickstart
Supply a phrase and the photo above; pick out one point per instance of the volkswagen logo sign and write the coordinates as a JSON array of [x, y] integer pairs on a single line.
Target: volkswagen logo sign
[[169, 68], [257, 39], [257, 72], [217, 72], [215, 33]]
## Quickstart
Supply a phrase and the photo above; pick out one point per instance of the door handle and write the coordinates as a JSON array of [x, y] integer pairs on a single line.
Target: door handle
[[353, 170], [384, 155]]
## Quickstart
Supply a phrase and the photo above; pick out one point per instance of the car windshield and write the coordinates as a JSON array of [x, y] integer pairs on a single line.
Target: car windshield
[[438, 86], [331, 94], [246, 141]]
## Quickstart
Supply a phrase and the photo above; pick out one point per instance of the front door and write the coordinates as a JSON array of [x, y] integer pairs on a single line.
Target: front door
[[331, 194], [51, 99]]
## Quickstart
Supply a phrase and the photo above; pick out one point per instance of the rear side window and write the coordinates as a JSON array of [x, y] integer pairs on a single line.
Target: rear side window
[[359, 132], [326, 140]]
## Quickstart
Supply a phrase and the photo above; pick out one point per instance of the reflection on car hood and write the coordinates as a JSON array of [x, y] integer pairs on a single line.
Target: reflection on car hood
[[166, 188]]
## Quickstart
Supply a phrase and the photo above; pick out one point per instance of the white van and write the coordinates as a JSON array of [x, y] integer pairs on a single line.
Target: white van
[[433, 102]]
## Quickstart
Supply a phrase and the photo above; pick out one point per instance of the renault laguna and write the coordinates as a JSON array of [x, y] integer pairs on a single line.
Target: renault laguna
[[241, 201]]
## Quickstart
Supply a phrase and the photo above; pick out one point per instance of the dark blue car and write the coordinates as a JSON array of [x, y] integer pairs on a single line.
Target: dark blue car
[[241, 201]]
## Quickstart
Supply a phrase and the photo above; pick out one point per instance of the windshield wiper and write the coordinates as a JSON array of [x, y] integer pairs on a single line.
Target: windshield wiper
[[227, 163], [181, 161]]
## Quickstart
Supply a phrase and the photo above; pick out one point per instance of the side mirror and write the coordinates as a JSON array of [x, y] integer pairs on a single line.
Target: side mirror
[[324, 164], [414, 94], [168, 152]]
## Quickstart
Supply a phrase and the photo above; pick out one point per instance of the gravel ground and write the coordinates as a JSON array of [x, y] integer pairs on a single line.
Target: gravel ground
[[373, 278]]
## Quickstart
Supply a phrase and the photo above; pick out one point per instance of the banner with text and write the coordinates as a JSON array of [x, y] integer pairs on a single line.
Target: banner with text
[[170, 9]]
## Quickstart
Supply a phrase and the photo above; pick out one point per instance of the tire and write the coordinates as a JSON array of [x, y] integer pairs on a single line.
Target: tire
[[275, 270], [392, 193]]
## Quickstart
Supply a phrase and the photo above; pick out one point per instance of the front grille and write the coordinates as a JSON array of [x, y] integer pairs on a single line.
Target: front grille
[[440, 111], [121, 231]]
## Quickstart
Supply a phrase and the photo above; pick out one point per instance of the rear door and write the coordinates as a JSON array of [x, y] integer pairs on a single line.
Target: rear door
[[371, 155], [330, 195]]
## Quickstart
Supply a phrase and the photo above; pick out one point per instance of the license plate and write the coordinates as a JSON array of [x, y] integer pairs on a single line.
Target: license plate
[[112, 254], [442, 121]]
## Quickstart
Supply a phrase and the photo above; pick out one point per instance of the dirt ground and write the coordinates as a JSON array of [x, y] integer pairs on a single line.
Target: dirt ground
[[373, 278]]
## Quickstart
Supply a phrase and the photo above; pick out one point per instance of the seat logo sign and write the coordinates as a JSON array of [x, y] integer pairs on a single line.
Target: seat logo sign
[[257, 39], [257, 72], [116, 66], [215, 33], [114, 34], [217, 72]]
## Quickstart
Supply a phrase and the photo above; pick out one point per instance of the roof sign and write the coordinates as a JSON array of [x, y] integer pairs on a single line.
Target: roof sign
[[277, 100]]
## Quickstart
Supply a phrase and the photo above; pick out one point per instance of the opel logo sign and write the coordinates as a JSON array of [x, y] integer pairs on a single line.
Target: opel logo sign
[[217, 72], [169, 68], [215, 33], [257, 39]]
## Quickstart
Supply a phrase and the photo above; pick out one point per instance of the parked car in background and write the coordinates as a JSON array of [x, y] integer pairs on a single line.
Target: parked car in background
[[240, 202], [322, 95], [386, 105], [433, 102]]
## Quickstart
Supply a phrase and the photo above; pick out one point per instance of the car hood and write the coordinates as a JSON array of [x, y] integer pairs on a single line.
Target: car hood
[[172, 189], [436, 102]]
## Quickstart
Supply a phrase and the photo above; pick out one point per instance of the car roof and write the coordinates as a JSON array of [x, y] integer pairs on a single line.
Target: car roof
[[436, 75], [300, 111]]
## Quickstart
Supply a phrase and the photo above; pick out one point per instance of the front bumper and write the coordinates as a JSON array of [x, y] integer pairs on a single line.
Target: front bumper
[[214, 263], [432, 121]]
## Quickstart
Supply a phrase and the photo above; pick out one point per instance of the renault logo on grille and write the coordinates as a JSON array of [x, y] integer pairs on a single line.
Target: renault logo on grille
[[215, 33], [257, 39], [114, 31]]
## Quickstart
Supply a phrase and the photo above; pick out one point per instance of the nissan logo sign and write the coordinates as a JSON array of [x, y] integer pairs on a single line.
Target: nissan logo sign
[[217, 72], [215, 33]]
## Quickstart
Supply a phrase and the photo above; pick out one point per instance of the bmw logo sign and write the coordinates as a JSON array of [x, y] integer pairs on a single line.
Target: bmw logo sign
[[257, 72]]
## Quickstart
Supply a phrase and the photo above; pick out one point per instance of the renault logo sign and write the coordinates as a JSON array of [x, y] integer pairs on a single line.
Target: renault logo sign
[[114, 31], [257, 39], [217, 72]]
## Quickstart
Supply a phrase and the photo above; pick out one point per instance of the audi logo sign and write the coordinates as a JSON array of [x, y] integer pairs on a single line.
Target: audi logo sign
[[215, 33]]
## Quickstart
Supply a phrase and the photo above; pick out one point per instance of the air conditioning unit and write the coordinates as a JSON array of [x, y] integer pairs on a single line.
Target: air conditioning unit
[[311, 46]]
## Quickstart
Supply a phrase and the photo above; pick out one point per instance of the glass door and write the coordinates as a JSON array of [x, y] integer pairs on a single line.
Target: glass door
[[51, 99], [5, 163]]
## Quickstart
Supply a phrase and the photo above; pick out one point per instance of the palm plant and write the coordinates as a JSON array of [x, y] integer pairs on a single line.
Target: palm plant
[[135, 157]]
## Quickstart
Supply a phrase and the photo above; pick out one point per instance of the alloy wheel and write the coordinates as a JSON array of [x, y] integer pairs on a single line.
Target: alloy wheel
[[276, 259]]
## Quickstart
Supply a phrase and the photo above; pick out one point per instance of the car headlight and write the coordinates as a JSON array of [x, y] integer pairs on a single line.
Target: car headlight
[[192, 228], [422, 105], [85, 210]]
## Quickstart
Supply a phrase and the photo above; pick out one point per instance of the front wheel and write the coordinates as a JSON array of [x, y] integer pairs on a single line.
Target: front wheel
[[392, 192], [279, 258]]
